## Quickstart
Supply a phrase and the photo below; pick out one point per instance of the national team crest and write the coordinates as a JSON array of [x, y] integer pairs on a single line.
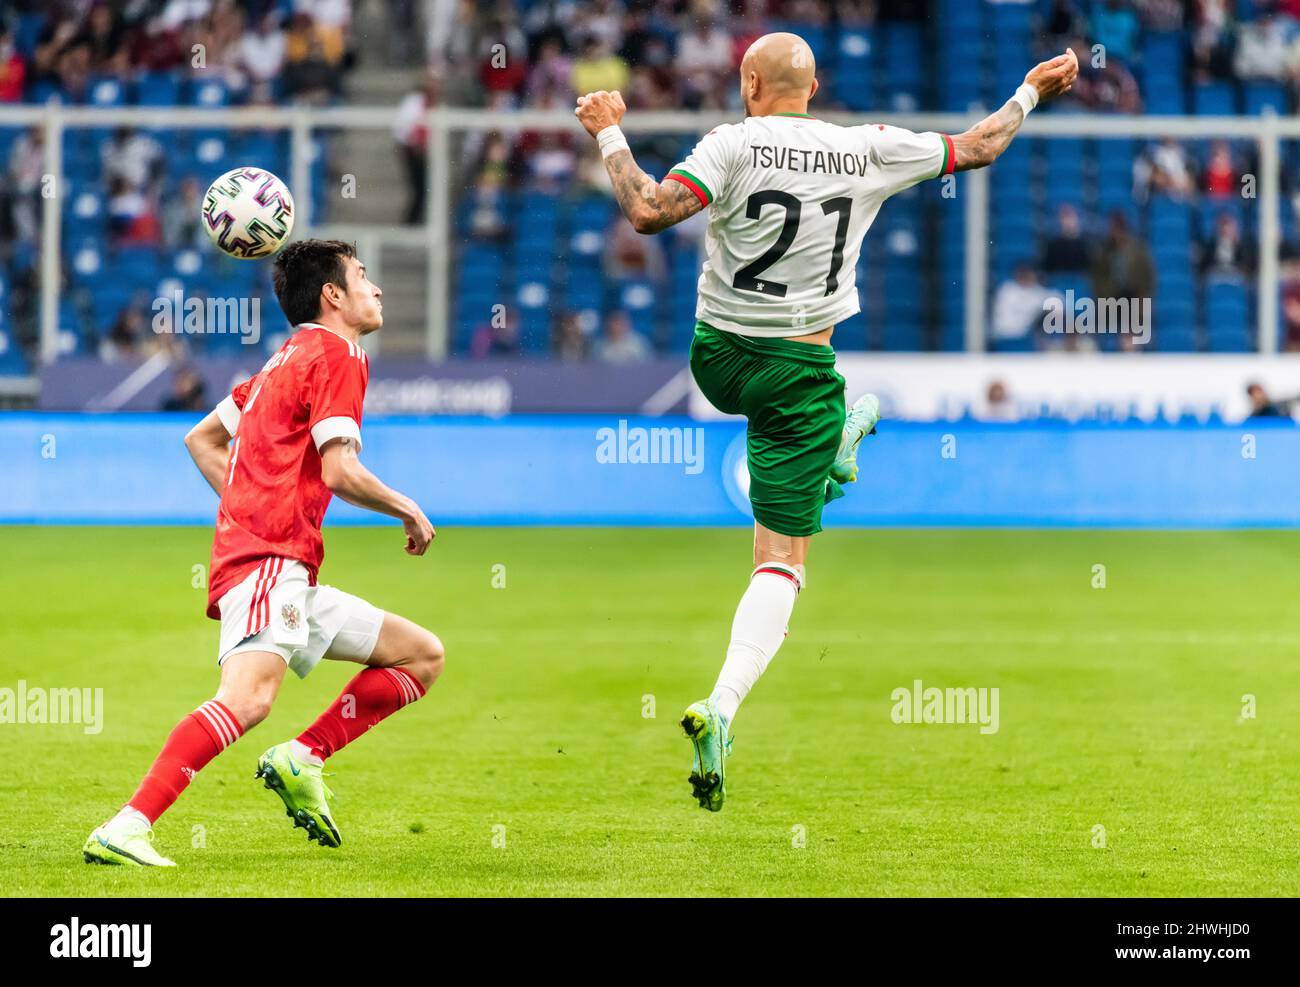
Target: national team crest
[[290, 617]]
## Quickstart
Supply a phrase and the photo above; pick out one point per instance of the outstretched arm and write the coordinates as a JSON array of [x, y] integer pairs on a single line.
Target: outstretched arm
[[650, 206], [981, 145]]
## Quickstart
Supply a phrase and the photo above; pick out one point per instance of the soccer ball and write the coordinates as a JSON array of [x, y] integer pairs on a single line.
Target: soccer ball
[[248, 213]]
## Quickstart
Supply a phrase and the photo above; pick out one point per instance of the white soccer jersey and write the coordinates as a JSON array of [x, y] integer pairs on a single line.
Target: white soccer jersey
[[790, 198]]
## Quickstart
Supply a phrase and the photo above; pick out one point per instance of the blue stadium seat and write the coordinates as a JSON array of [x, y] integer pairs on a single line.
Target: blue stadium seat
[[1175, 339], [27, 32], [854, 86], [44, 91], [72, 331], [480, 286], [12, 363], [903, 50], [157, 89], [961, 16], [637, 298], [1236, 340], [210, 92], [899, 334], [855, 49], [1227, 307], [534, 299], [1211, 209], [269, 149], [1170, 221], [85, 206], [106, 91], [1165, 98], [1174, 316], [585, 292], [593, 213], [1214, 99], [1259, 95], [537, 225]]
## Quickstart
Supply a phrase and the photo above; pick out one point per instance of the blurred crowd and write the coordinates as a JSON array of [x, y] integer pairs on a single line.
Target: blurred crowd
[[263, 50], [662, 54]]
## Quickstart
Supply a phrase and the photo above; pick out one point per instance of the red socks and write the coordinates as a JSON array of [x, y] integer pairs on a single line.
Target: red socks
[[372, 695], [197, 739]]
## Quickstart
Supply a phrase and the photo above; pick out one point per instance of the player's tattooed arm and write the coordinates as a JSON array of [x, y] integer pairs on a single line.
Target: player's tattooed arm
[[650, 206], [208, 443], [342, 472], [981, 145]]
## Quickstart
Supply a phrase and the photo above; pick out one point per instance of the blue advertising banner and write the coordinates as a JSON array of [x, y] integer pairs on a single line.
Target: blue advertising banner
[[612, 470]]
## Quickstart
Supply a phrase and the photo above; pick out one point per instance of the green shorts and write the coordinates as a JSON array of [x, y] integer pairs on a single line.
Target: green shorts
[[794, 400]]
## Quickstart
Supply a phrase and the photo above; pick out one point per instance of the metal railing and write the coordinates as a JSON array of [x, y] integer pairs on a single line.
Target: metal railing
[[1267, 130]]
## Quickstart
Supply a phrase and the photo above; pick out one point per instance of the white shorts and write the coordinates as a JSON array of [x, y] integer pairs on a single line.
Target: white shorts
[[276, 609]]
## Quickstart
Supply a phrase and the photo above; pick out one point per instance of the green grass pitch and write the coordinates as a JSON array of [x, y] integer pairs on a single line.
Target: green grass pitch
[[1120, 707]]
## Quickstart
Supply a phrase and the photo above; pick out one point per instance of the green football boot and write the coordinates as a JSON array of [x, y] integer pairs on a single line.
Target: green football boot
[[304, 793], [707, 731], [861, 420], [126, 841]]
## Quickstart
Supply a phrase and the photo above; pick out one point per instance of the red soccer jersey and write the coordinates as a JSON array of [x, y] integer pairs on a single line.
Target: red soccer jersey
[[274, 500]]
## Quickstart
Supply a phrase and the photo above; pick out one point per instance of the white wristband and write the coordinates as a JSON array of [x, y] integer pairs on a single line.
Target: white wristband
[[1027, 97], [610, 140]]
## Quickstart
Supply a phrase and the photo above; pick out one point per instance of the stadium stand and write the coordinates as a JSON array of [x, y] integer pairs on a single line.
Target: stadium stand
[[537, 230]]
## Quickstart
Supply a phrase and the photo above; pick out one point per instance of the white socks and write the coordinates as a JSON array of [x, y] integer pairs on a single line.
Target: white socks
[[303, 753], [128, 814], [756, 633]]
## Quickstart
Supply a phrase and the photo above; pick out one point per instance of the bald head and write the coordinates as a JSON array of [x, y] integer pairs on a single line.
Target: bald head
[[777, 69]]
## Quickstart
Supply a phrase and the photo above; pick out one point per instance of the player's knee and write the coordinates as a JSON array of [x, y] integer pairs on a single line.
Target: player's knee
[[250, 708], [249, 700], [427, 658]]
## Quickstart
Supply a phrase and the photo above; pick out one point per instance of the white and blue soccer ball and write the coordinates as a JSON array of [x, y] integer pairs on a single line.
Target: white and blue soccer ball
[[248, 213]]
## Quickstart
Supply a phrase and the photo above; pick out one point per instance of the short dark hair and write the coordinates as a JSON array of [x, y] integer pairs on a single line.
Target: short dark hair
[[302, 269]]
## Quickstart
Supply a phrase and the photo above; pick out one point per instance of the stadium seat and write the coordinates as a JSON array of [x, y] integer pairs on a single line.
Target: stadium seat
[[106, 91], [533, 299], [1212, 209], [903, 62], [1165, 98], [27, 32], [1214, 99], [1170, 221], [854, 86], [899, 334], [637, 298], [1258, 96], [42, 92], [270, 149], [537, 226], [209, 92], [12, 363], [1227, 306], [157, 89]]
